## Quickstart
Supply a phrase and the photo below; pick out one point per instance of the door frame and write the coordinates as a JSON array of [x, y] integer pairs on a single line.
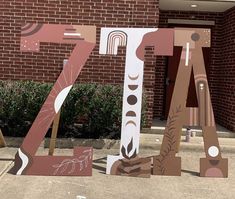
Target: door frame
[[178, 25]]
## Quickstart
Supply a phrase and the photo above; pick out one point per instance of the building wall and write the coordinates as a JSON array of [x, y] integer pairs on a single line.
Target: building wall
[[226, 79], [222, 67], [47, 64]]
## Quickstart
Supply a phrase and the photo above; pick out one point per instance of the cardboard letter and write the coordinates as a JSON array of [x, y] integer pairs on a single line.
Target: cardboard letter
[[80, 164], [192, 41], [135, 39]]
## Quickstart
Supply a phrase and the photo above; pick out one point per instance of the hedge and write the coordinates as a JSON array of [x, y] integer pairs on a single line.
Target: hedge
[[89, 111]]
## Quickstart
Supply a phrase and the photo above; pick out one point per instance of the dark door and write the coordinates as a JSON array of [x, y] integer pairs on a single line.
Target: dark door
[[172, 68]]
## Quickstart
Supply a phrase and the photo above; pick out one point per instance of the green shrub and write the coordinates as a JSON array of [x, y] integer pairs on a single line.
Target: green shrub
[[19, 105], [89, 111], [96, 107]]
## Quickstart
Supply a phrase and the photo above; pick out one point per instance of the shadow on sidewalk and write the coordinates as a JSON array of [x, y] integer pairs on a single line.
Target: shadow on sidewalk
[[98, 167], [7, 159], [193, 173]]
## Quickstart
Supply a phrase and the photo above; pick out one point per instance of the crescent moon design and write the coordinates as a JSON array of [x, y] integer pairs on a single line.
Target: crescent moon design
[[131, 122], [25, 161], [133, 77], [61, 97], [133, 87], [131, 114]]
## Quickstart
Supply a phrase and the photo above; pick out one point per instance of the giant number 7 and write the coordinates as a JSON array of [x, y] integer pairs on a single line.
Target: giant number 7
[[80, 164]]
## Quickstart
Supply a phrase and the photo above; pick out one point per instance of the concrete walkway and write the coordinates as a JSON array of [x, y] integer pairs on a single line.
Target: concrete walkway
[[102, 186], [158, 127], [147, 141]]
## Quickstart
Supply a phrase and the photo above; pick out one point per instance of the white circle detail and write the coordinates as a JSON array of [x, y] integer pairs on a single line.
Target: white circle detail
[[213, 151]]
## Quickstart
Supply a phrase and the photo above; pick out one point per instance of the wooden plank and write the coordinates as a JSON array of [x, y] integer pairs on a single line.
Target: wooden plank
[[2, 140], [54, 133]]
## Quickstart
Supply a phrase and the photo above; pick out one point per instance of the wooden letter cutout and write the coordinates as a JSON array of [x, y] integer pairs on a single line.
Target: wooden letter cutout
[[2, 140], [192, 41], [129, 163], [80, 164]]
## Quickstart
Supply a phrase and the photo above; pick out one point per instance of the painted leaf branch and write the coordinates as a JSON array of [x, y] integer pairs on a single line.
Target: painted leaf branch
[[170, 138], [82, 161], [127, 152]]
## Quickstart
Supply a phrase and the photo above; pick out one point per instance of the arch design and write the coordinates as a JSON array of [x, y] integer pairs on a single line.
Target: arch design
[[196, 117], [115, 39], [30, 29]]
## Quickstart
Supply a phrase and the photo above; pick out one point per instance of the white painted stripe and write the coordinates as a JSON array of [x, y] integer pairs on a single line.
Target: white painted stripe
[[24, 160], [158, 128], [71, 34], [190, 116], [80, 197], [187, 54], [191, 22], [183, 129]]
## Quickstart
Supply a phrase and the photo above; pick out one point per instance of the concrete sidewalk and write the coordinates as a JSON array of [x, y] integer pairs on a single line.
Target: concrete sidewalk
[[158, 127], [147, 141], [102, 186]]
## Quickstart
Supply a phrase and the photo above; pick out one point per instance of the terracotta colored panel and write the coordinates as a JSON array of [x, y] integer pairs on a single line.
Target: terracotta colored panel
[[84, 37], [192, 41]]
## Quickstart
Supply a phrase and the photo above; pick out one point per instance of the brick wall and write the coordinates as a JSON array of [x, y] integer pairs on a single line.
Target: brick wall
[[222, 67], [226, 87], [47, 64]]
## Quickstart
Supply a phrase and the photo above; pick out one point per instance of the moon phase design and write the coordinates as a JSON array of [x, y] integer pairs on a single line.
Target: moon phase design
[[25, 160], [130, 122], [60, 98], [195, 37], [132, 99], [132, 87], [131, 114], [133, 77]]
